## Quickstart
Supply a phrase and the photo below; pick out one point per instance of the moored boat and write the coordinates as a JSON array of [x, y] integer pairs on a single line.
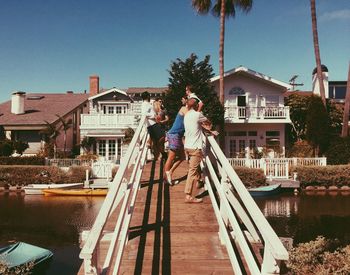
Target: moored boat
[[21, 253], [76, 192], [37, 189], [265, 190]]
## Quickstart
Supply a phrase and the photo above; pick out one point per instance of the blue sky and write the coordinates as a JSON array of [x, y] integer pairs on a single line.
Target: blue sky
[[54, 46]]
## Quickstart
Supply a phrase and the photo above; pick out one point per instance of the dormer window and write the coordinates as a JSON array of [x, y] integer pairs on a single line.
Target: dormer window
[[236, 91]]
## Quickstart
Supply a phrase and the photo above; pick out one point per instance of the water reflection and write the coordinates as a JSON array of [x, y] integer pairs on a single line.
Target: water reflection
[[304, 217], [53, 222]]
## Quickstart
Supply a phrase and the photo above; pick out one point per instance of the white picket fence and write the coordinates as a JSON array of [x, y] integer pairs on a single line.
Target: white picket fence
[[277, 168], [68, 162]]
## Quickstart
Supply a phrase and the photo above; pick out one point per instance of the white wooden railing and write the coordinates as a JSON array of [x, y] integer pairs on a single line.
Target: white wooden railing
[[123, 189], [237, 112], [277, 167], [97, 121], [240, 220]]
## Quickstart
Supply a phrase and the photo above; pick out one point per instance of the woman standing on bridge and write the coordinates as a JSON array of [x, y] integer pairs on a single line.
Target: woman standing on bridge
[[176, 146]]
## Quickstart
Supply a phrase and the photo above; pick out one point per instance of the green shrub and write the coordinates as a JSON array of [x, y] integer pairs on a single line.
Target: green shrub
[[339, 151], [323, 175], [6, 148], [319, 257], [22, 160], [24, 175], [251, 177]]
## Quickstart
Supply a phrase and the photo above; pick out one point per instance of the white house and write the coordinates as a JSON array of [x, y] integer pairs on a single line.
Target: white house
[[255, 115], [111, 113]]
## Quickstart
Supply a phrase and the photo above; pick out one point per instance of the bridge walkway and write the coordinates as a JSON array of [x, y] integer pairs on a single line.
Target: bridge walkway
[[167, 235]]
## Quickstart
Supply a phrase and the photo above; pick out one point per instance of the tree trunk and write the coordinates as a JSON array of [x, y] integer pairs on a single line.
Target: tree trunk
[[222, 71], [345, 128], [221, 51], [317, 51]]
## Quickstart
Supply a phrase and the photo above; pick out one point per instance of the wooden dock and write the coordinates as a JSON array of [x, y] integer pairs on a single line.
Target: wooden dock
[[169, 236]]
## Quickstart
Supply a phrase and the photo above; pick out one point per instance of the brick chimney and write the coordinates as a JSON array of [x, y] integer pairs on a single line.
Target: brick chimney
[[17, 102], [94, 85]]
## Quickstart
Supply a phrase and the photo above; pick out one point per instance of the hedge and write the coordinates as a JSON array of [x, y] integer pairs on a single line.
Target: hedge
[[251, 177], [22, 160], [24, 175], [337, 175]]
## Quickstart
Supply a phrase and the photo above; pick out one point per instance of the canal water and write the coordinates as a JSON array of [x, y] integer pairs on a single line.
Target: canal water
[[55, 222]]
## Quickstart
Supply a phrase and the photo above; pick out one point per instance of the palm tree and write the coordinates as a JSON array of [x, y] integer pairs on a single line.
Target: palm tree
[[65, 125], [317, 51], [51, 134], [345, 128], [223, 9]]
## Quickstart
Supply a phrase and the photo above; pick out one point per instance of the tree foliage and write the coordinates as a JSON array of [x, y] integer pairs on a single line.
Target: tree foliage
[[299, 109], [317, 125], [196, 73]]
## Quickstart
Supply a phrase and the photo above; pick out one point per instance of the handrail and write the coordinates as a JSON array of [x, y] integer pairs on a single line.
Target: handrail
[[117, 191], [234, 201]]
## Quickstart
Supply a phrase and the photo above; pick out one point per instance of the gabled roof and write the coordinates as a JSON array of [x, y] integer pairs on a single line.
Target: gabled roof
[[41, 107], [113, 90], [253, 74], [153, 90]]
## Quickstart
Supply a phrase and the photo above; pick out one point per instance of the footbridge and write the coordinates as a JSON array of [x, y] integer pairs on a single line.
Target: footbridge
[[145, 226]]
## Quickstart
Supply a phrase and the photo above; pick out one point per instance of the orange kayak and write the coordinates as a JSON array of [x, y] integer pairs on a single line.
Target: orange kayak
[[75, 192]]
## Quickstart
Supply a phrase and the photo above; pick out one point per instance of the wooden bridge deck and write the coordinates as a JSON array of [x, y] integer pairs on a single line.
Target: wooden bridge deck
[[169, 236]]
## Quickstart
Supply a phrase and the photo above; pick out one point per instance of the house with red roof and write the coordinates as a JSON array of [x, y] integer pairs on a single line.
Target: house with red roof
[[26, 115]]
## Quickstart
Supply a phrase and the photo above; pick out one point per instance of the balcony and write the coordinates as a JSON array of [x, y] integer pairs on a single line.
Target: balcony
[[237, 114], [108, 122]]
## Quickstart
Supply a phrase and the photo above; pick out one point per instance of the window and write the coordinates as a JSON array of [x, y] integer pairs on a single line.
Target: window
[[241, 101], [272, 133], [241, 145], [340, 92], [239, 133], [111, 149], [232, 148], [119, 148], [110, 110], [102, 148], [118, 109], [252, 133]]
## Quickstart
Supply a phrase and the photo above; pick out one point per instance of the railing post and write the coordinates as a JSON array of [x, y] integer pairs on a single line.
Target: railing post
[[223, 186], [269, 264]]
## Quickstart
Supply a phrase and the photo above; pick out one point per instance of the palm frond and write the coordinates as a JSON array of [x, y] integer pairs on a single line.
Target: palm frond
[[202, 6]]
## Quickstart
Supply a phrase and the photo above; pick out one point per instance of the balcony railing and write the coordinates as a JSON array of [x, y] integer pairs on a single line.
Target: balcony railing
[[257, 113], [98, 121]]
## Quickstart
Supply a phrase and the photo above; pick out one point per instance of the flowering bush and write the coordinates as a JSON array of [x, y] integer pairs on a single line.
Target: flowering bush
[[319, 257]]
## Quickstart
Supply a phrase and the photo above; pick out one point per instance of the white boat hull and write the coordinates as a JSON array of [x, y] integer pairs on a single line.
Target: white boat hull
[[37, 189]]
